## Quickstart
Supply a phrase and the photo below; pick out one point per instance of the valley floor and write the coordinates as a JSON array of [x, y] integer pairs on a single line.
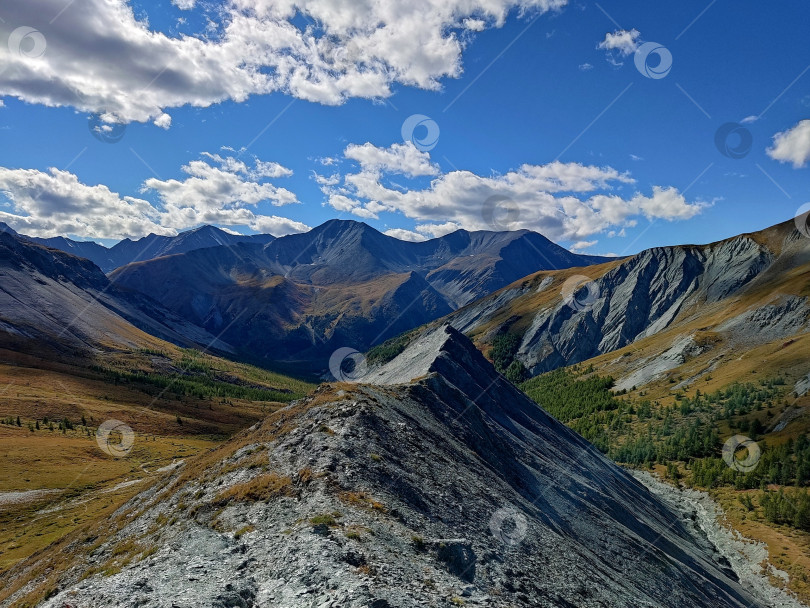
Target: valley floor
[[53, 484], [56, 479]]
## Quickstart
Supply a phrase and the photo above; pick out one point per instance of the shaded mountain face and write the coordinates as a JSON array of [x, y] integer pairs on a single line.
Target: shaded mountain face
[[661, 308], [59, 302], [462, 266], [302, 296], [487, 261], [149, 247], [436, 479]]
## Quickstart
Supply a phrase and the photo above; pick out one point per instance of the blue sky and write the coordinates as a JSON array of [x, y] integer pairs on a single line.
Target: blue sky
[[632, 162]]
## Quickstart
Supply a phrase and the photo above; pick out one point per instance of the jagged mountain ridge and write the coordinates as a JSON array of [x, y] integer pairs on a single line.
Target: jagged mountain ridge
[[462, 265], [343, 283], [150, 246], [513, 254], [400, 494]]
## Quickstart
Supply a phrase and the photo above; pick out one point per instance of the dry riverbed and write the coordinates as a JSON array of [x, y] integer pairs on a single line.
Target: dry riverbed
[[748, 558]]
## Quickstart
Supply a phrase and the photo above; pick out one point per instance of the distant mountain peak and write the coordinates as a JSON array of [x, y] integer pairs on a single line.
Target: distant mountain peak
[[205, 228], [6, 228], [344, 226], [151, 246]]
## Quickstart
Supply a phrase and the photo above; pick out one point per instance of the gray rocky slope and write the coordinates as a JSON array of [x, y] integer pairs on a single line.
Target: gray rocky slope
[[54, 300], [435, 484], [649, 293]]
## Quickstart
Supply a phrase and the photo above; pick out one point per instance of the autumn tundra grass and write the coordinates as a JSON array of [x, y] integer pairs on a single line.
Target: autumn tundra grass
[[55, 478]]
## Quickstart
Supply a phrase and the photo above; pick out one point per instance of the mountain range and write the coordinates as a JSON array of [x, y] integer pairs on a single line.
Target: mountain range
[[434, 480], [299, 297], [146, 248], [683, 312]]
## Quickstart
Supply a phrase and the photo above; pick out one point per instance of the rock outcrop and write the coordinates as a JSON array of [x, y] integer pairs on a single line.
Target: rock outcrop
[[743, 288], [436, 483], [638, 298]]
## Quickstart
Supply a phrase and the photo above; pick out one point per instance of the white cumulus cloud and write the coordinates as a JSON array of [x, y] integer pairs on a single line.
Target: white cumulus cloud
[[221, 192], [582, 245], [54, 202], [406, 235], [99, 57], [164, 121], [225, 191], [398, 158], [793, 145], [564, 201], [277, 226], [624, 42]]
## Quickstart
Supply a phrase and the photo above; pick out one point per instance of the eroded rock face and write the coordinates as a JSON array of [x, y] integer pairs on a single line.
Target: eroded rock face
[[784, 317], [641, 297], [438, 483], [637, 298]]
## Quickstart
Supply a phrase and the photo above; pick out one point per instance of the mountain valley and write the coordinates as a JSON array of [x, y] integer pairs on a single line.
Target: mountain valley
[[384, 304], [481, 490], [646, 357]]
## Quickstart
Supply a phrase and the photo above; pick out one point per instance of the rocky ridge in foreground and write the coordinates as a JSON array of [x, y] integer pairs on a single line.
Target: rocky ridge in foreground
[[439, 484]]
